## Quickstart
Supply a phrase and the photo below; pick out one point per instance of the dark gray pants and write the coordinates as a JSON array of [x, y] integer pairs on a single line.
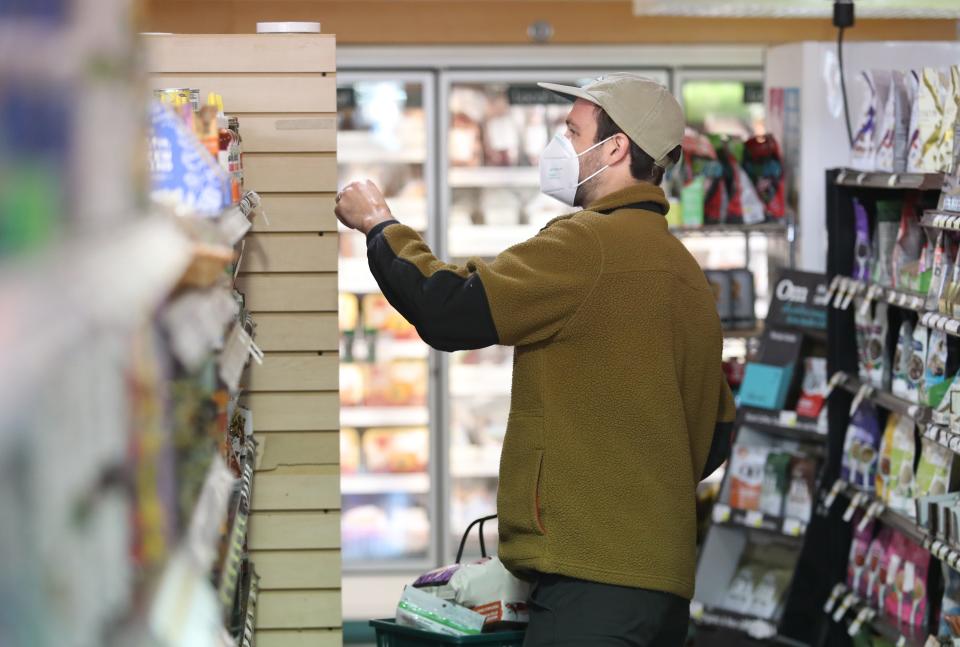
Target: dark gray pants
[[567, 611]]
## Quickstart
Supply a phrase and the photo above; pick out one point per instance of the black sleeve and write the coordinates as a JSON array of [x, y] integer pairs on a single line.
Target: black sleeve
[[447, 304], [719, 448]]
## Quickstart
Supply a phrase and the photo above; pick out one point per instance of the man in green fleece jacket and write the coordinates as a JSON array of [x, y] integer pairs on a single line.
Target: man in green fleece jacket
[[619, 406]]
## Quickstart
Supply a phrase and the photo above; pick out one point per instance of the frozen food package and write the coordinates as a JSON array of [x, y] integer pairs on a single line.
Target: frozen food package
[[348, 311], [814, 388], [917, 368], [747, 463], [934, 470], [950, 607], [941, 270], [353, 384], [895, 477], [885, 240], [349, 451], [862, 248], [774, 486], [857, 560], [739, 597], [878, 367], [895, 126], [901, 360], [865, 138], [399, 450], [421, 610], [934, 83], [799, 499], [768, 593], [861, 448], [935, 381], [910, 241], [913, 141]]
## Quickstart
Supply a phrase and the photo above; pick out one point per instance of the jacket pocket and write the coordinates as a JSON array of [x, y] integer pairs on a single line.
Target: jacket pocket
[[520, 498]]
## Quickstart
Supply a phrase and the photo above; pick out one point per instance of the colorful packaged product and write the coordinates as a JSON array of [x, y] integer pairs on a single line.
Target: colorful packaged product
[[861, 448], [950, 95], [925, 267], [934, 85], [913, 145], [950, 607], [857, 561], [942, 268], [863, 323], [934, 470], [907, 598], [763, 162], [895, 477], [861, 252], [885, 240], [814, 389], [799, 499], [910, 241], [774, 486], [747, 465], [901, 361], [399, 450], [866, 138], [935, 380], [916, 370], [895, 127], [876, 554], [349, 451], [878, 369], [768, 593]]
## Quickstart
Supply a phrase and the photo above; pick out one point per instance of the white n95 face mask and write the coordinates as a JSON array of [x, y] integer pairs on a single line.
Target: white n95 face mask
[[560, 169]]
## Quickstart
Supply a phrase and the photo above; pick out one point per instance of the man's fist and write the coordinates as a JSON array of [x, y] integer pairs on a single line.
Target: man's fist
[[361, 206]]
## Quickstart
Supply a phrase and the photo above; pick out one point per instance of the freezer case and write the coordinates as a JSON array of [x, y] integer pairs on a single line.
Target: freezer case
[[387, 462]]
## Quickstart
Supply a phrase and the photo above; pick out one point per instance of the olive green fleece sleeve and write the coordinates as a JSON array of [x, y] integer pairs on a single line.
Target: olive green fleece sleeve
[[536, 287]]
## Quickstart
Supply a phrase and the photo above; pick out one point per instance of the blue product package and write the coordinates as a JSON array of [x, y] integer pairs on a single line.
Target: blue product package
[[765, 386], [950, 609]]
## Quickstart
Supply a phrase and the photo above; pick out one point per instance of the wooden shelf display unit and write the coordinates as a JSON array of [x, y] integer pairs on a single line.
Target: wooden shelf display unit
[[283, 89]]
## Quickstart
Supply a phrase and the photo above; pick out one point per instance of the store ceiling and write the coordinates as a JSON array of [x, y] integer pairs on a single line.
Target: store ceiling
[[797, 8]]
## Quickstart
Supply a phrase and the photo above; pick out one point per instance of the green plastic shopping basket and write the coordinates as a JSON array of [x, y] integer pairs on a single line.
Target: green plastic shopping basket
[[390, 634]]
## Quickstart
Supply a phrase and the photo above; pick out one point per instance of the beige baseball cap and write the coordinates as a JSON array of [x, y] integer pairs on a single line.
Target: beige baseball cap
[[644, 109]]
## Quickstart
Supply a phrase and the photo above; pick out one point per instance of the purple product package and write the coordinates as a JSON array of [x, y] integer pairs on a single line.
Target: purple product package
[[862, 249], [861, 448]]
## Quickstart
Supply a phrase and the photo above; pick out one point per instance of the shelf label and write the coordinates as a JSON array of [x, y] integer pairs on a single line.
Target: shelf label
[[788, 418], [754, 519], [793, 527], [696, 610], [953, 326], [721, 513]]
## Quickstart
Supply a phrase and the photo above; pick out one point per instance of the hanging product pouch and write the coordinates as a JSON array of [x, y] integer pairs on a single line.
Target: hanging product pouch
[[910, 241], [862, 323], [857, 561], [950, 607], [814, 390], [907, 601], [885, 241], [901, 360], [935, 383], [933, 86], [774, 487], [934, 471], [894, 127], [747, 465], [862, 249], [861, 448], [763, 162], [913, 144], [940, 272], [950, 303], [876, 553], [895, 477], [917, 368], [799, 500], [949, 97], [700, 161], [865, 140], [878, 368]]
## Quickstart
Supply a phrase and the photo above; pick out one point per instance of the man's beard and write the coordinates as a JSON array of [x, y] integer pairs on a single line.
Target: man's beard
[[584, 194]]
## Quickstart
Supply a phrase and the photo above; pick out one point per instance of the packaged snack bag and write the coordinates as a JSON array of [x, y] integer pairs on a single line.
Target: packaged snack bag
[[747, 465], [876, 554], [950, 607], [901, 360], [863, 323], [774, 486], [857, 563], [910, 241], [942, 268], [878, 366], [814, 388], [913, 141], [885, 240], [909, 591], [934, 84], [935, 381], [895, 127], [916, 370], [861, 448], [700, 161], [768, 593], [763, 162], [895, 477], [867, 137], [799, 500], [949, 95], [934, 470], [862, 249]]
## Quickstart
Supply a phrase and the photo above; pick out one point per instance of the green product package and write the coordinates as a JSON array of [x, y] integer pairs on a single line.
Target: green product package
[[934, 471], [776, 473], [935, 382], [925, 268], [916, 369], [691, 202], [885, 240], [895, 477]]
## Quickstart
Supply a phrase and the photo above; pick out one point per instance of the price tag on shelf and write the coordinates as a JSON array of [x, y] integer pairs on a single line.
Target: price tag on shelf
[[953, 326], [793, 527], [721, 513], [852, 508], [865, 615], [851, 293], [954, 443], [838, 590], [868, 300], [925, 318], [936, 547], [833, 494], [696, 610], [788, 418], [754, 519], [841, 292], [842, 177], [841, 611]]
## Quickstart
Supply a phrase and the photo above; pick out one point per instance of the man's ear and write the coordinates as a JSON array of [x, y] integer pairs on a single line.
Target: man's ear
[[622, 151]]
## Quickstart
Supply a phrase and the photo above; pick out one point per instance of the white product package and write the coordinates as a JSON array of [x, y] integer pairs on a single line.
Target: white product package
[[421, 610], [866, 139], [485, 586], [894, 130]]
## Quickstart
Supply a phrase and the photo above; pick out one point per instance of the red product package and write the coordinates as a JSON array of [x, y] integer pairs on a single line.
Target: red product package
[[700, 159], [814, 390], [859, 549], [905, 587], [763, 162]]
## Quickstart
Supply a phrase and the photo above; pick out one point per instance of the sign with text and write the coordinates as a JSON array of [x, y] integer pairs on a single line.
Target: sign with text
[[799, 300]]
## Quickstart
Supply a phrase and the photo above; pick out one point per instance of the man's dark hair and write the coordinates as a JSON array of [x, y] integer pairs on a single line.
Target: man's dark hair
[[642, 166]]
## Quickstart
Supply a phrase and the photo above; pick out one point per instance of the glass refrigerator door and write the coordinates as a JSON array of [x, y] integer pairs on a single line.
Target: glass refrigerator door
[[497, 125], [385, 444]]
